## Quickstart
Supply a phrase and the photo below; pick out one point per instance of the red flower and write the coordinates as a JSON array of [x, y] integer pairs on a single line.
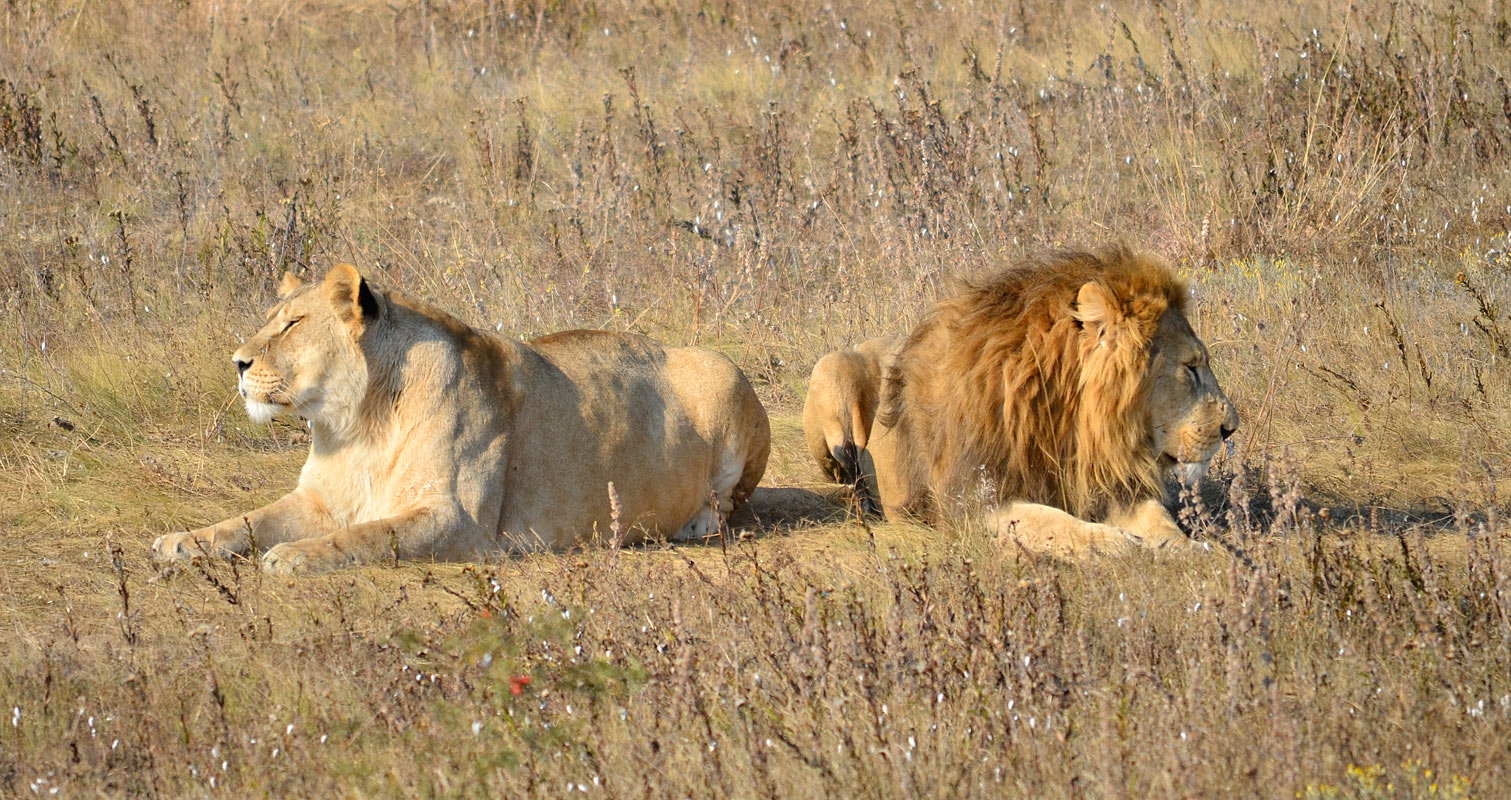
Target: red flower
[[517, 683]]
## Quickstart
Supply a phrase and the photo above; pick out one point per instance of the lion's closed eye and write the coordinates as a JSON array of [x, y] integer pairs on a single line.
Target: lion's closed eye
[[289, 324]]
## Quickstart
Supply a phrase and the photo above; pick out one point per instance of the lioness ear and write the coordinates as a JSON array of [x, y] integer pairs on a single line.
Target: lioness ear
[[353, 298], [288, 284]]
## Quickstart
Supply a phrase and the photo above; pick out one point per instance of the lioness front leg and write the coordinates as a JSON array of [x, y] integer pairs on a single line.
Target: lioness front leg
[[415, 534], [1052, 531], [295, 515]]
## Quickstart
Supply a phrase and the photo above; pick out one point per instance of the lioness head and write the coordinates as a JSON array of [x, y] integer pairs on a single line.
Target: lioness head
[[307, 359]]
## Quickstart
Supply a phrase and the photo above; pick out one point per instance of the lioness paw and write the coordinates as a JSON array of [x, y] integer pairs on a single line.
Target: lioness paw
[[303, 557], [180, 547], [704, 524], [285, 559]]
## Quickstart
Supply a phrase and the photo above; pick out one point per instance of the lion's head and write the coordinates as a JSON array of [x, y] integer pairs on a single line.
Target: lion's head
[[307, 359], [1073, 380]]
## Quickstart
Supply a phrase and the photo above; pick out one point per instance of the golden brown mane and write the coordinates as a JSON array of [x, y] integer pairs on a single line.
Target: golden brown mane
[[1037, 384]]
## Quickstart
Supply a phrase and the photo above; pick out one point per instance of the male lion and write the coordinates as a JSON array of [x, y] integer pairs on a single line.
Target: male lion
[[433, 440], [843, 393], [1061, 388]]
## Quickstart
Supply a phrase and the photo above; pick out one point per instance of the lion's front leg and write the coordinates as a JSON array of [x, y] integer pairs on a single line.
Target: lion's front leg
[[295, 515], [420, 533], [1051, 531]]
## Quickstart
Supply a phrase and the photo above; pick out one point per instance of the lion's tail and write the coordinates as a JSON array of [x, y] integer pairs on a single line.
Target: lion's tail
[[889, 409], [860, 423]]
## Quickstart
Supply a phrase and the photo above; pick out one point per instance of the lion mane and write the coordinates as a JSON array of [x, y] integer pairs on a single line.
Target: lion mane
[[1000, 382]]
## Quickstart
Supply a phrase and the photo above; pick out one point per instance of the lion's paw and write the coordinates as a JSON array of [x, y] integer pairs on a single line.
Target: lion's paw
[[1168, 543], [1185, 546]]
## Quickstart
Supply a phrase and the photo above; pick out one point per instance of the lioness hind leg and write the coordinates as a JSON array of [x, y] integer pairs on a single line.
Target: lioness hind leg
[[710, 518], [1051, 531], [818, 447]]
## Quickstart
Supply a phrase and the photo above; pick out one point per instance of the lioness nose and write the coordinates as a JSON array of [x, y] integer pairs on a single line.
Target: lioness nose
[[1227, 431], [242, 365]]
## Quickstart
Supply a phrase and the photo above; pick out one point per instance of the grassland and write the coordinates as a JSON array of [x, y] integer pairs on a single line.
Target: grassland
[[772, 180]]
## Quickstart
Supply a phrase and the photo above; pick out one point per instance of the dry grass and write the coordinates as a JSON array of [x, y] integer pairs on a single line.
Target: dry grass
[[772, 181]]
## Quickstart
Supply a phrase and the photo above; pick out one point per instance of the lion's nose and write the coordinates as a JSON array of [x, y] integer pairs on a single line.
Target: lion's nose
[[1230, 425], [242, 365]]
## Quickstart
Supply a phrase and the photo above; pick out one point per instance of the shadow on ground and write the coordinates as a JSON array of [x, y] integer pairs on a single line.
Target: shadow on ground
[[1253, 506], [1223, 499], [779, 509]]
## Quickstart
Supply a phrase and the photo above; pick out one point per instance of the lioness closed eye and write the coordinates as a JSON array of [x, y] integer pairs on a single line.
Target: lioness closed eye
[[1062, 388], [434, 440]]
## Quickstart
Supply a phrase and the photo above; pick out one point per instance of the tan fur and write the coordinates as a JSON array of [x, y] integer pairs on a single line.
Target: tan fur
[[843, 393], [1056, 392], [433, 440]]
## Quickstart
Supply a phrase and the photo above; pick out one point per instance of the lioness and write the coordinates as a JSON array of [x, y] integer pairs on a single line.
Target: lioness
[[432, 440], [843, 392], [1061, 389]]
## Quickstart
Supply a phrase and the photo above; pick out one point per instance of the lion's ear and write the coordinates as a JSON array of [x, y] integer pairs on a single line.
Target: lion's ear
[[1097, 309], [1104, 317], [288, 284], [353, 298], [1113, 323]]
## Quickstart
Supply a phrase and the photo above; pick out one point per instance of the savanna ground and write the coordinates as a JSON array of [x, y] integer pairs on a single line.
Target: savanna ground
[[772, 180]]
